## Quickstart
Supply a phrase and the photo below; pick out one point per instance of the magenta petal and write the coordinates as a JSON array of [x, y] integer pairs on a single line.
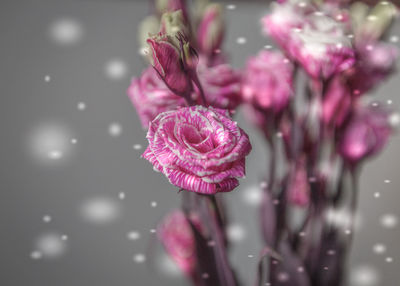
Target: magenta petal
[[199, 149], [167, 62]]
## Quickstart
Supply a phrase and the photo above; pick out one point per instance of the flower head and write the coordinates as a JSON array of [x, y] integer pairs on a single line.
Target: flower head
[[172, 55], [151, 96], [163, 6], [221, 84], [267, 81], [284, 18], [321, 46], [365, 134], [210, 32], [198, 149], [177, 237]]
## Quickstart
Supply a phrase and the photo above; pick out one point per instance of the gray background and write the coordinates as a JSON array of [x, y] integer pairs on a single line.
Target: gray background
[[100, 165]]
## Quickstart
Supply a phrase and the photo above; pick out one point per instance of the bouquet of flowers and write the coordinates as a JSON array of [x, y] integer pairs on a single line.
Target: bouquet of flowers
[[309, 99]]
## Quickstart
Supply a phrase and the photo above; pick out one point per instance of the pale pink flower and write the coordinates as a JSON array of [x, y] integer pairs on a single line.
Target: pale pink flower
[[176, 235], [321, 46], [221, 85], [375, 62], [198, 149], [366, 134], [151, 96], [211, 30], [283, 19], [267, 81]]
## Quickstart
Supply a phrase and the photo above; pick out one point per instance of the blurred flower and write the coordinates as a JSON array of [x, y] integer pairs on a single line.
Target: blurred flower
[[177, 237], [210, 32], [267, 81], [163, 6], [375, 62], [321, 46], [365, 134], [283, 18], [151, 96], [221, 84], [198, 149], [370, 24]]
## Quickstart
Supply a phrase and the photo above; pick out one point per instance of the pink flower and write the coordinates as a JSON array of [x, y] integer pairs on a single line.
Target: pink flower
[[284, 18], [375, 62], [177, 237], [164, 6], [221, 84], [167, 61], [151, 96], [298, 188], [210, 32], [321, 46], [337, 102], [365, 135], [267, 81], [198, 149]]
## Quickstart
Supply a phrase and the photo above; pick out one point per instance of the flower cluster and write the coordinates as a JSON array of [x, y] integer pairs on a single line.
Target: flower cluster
[[317, 126]]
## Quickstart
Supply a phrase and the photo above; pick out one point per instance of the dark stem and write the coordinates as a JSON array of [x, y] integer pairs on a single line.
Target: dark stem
[[195, 79], [227, 276]]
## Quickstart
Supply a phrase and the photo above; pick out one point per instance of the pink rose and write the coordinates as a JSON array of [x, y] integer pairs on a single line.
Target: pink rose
[[151, 96], [365, 134], [221, 84], [198, 149], [267, 81], [177, 237]]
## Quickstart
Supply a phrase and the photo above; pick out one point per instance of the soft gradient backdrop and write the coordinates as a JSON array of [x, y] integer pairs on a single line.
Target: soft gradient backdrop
[[73, 185]]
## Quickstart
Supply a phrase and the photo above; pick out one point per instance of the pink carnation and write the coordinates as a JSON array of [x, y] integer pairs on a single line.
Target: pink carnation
[[151, 96], [267, 81], [198, 149]]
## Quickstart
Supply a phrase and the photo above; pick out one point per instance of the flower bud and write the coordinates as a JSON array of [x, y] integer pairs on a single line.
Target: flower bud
[[173, 23], [210, 32], [365, 135], [163, 6], [165, 57], [371, 26], [176, 235], [149, 26]]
